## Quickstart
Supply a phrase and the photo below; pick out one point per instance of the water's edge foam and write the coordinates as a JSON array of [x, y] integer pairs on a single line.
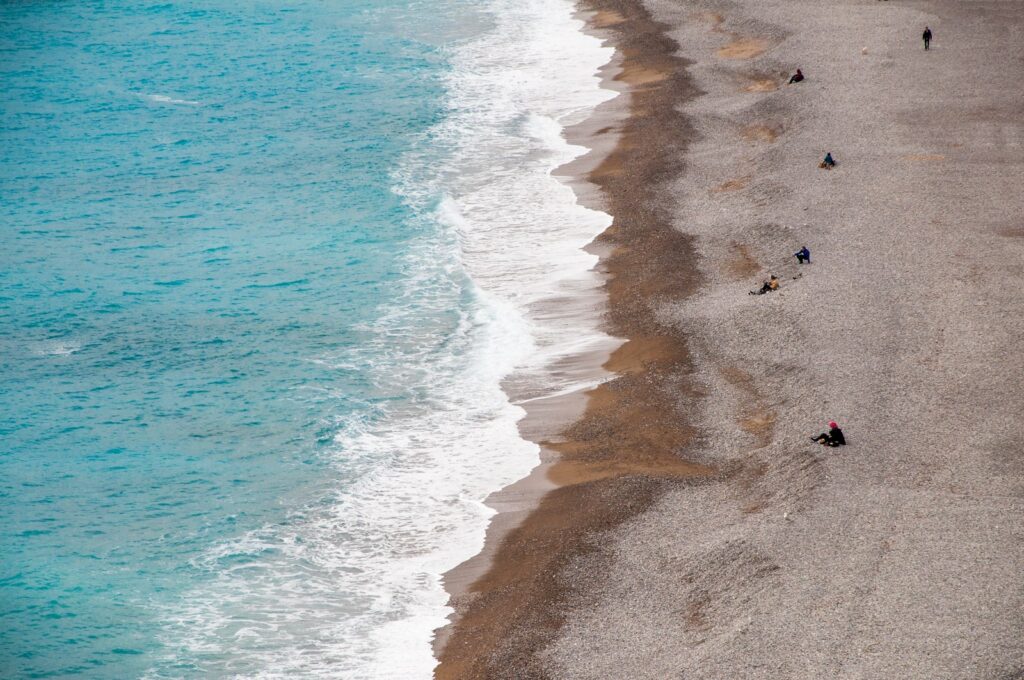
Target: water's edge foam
[[552, 395]]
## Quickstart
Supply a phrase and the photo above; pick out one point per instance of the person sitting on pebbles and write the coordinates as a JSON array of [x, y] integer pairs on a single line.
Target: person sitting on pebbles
[[797, 77], [769, 285], [803, 256], [834, 436], [828, 163]]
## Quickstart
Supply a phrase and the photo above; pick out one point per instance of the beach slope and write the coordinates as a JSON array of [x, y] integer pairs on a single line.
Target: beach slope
[[900, 555]]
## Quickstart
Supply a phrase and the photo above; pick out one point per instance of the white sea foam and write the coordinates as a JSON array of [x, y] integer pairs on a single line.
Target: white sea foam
[[522, 235], [164, 99], [352, 586], [56, 348]]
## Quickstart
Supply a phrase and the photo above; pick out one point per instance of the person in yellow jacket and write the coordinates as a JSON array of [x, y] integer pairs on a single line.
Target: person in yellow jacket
[[769, 285]]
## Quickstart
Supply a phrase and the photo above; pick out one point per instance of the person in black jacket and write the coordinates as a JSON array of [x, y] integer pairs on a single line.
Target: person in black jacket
[[834, 436], [926, 36], [797, 77]]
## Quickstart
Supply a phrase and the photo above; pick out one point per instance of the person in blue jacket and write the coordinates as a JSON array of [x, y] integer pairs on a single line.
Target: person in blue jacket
[[803, 255]]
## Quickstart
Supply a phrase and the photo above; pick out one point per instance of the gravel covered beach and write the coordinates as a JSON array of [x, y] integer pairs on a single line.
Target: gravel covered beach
[[768, 556]]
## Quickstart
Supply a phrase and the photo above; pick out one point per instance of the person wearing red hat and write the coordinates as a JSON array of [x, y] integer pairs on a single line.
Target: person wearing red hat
[[834, 436]]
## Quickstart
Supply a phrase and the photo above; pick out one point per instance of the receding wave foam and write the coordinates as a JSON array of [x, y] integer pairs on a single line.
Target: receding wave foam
[[522, 231], [351, 586]]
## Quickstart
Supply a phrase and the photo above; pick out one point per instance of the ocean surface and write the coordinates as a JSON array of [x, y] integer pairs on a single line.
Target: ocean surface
[[265, 268]]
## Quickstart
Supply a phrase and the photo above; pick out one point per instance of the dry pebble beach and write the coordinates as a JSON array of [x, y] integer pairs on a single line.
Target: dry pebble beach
[[900, 555]]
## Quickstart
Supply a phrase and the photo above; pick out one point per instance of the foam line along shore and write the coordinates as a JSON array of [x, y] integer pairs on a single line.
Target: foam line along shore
[[522, 232]]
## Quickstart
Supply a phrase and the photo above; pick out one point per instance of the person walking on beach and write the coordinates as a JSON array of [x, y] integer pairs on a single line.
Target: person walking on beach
[[834, 436], [927, 36], [797, 77], [803, 255], [769, 285]]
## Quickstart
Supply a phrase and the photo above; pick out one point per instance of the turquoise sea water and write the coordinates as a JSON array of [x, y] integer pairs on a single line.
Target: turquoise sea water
[[241, 341], [196, 207]]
